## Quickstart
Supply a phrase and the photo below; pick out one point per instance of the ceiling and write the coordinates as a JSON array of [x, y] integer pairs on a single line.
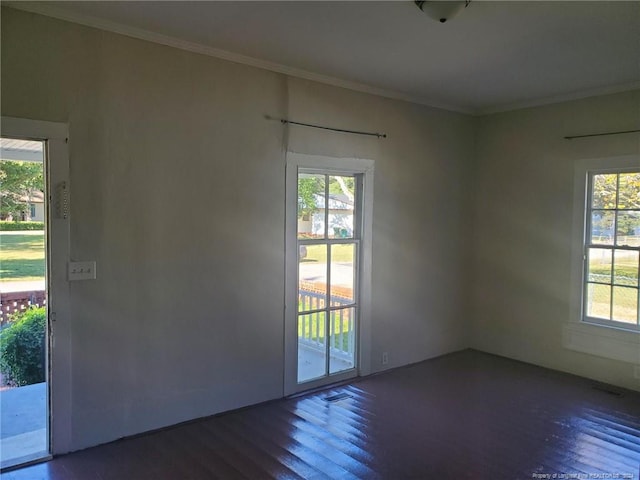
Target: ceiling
[[493, 56]]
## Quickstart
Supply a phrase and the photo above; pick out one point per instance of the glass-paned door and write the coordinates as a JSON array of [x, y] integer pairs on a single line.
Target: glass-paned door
[[328, 245]]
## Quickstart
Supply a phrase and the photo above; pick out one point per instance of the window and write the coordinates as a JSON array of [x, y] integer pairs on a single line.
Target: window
[[612, 248], [604, 278]]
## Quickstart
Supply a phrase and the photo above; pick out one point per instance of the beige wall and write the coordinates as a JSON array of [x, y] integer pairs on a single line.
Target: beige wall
[[177, 191], [523, 207], [420, 220]]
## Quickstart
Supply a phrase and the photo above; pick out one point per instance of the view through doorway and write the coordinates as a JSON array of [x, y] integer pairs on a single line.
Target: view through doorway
[[24, 416], [328, 270], [328, 231]]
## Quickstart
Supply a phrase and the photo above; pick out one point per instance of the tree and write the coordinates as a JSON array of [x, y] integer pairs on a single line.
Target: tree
[[311, 186], [605, 188], [18, 182], [611, 191], [308, 187], [346, 185]]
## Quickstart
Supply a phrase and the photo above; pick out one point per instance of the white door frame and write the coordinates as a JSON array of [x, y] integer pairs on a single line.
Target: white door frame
[[295, 161], [56, 140]]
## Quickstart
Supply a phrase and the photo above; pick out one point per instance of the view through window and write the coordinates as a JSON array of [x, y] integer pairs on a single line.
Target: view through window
[[612, 248], [23, 316]]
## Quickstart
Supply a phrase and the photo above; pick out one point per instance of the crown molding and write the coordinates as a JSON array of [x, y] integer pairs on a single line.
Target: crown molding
[[593, 92], [50, 10]]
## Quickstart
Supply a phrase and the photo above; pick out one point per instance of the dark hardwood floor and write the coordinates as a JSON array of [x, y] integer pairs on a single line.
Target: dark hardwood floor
[[467, 415]]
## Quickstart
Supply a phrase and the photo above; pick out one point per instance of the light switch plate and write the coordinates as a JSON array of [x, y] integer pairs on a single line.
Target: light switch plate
[[82, 271]]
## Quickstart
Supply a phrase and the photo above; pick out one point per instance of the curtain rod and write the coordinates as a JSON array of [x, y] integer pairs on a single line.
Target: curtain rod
[[600, 134], [355, 132]]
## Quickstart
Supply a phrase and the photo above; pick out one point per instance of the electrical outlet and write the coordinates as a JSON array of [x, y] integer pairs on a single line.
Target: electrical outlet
[[385, 358], [82, 271], [636, 372]]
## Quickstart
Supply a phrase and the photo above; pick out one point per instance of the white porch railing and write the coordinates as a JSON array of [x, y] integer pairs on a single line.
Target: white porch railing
[[312, 330]]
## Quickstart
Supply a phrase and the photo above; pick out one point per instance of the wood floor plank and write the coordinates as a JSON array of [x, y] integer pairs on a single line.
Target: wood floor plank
[[334, 452], [331, 436], [467, 415], [271, 466], [277, 449], [284, 439]]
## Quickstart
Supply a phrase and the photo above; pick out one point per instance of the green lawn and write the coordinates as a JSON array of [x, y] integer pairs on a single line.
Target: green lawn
[[628, 271], [625, 303], [624, 275], [21, 256], [339, 253]]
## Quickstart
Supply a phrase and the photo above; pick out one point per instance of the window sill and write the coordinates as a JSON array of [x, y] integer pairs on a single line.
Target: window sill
[[603, 341]]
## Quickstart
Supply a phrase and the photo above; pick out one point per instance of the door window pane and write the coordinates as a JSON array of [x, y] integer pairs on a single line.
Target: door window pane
[[311, 205], [342, 274], [343, 337], [312, 277], [341, 206], [312, 351]]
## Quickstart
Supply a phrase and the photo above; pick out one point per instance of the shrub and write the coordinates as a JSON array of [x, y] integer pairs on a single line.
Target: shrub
[[22, 348], [20, 226]]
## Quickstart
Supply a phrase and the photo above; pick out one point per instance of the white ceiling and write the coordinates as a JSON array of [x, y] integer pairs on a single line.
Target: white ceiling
[[493, 56]]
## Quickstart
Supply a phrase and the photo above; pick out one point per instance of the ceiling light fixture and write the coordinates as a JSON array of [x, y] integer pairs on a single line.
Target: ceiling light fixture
[[441, 10]]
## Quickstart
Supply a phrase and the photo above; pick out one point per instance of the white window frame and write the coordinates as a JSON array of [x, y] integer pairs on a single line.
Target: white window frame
[[606, 338], [330, 165]]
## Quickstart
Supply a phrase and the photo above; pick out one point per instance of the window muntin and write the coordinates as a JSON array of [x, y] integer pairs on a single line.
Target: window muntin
[[612, 249]]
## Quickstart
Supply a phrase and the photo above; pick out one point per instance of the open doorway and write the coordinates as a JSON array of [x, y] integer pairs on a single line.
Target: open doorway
[[24, 389]]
